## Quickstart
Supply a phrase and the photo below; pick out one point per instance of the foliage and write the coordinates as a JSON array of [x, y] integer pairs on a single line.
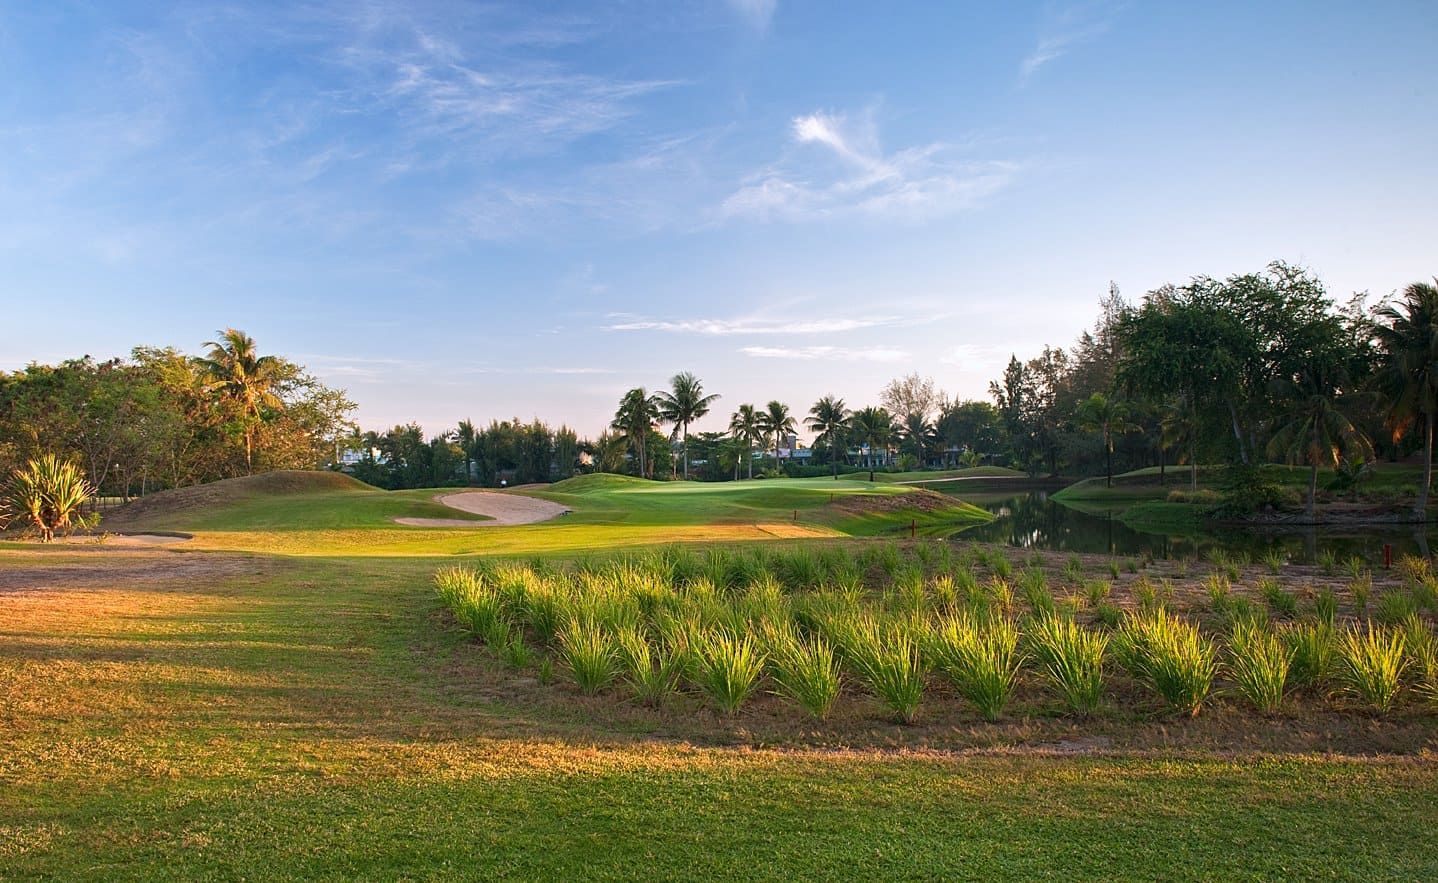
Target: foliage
[[982, 659], [1168, 655], [1371, 665], [1070, 658], [1258, 662], [47, 495]]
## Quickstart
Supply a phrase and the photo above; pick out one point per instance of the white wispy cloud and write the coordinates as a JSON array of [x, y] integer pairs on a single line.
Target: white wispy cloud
[[913, 183], [751, 326], [1064, 28], [974, 353], [756, 13], [827, 353]]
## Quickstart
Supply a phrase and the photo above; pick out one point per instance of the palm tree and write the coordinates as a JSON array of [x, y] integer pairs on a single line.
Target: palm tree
[[468, 438], [874, 428], [1109, 417], [682, 404], [236, 370], [919, 434], [635, 419], [1315, 430], [745, 426], [1179, 428], [774, 421], [1408, 335], [829, 421]]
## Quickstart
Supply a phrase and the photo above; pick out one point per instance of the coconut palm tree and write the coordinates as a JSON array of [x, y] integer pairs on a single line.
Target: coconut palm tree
[[873, 428], [1315, 430], [829, 421], [468, 437], [774, 421], [682, 404], [745, 426], [237, 371], [919, 435], [1408, 334], [1179, 427], [1108, 417], [635, 419]]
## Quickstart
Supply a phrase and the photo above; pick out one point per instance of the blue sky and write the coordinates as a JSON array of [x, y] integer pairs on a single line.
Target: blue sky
[[477, 209]]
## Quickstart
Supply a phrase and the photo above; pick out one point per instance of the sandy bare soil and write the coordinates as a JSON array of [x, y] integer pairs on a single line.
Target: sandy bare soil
[[502, 508]]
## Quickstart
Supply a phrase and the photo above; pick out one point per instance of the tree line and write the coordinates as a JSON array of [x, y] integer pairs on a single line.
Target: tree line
[[163, 419]]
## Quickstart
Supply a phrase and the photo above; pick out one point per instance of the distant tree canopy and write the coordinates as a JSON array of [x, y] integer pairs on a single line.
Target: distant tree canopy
[[162, 418]]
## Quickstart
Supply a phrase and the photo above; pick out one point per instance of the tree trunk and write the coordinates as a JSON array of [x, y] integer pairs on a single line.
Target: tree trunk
[[1108, 461], [686, 451], [1312, 489], [1162, 465], [749, 455], [1238, 435], [1192, 465], [1421, 509]]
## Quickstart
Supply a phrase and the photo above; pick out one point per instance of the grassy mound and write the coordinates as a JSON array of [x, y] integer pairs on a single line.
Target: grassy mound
[[177, 504]]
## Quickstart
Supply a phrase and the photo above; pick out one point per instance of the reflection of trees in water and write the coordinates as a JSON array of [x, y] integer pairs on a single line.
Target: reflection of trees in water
[[1031, 520]]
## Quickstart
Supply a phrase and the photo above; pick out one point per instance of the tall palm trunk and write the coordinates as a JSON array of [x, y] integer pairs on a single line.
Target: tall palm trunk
[[1421, 509], [1108, 458], [1313, 474], [686, 451], [1192, 465], [749, 456]]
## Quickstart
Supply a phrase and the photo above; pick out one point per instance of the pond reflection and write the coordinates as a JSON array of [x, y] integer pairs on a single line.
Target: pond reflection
[[1030, 519]]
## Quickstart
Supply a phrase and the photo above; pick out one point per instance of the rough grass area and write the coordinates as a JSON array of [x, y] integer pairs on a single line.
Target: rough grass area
[[284, 717]]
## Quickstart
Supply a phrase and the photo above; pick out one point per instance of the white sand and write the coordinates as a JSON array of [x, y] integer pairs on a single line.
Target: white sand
[[122, 539], [502, 508]]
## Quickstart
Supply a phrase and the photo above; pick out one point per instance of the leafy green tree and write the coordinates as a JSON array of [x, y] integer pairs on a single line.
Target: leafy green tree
[[1180, 427], [1407, 334], [747, 428], [682, 404], [919, 437], [829, 421], [774, 421], [1109, 418], [974, 425], [874, 428], [248, 379]]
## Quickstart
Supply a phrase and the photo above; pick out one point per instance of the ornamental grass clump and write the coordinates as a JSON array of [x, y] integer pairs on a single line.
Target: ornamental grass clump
[[1281, 602], [1325, 606], [1070, 658], [1169, 656], [652, 670], [805, 670], [1395, 608], [476, 602], [1036, 591], [886, 659], [590, 654], [1259, 661], [1313, 648], [981, 659], [729, 669], [1371, 662]]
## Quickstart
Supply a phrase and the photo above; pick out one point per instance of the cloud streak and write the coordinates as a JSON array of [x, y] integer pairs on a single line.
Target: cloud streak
[[724, 327], [827, 353], [1063, 29], [860, 178]]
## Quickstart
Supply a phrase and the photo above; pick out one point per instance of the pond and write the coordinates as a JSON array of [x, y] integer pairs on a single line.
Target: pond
[[1029, 519]]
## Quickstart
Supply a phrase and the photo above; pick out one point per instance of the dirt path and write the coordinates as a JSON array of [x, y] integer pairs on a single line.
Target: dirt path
[[504, 509]]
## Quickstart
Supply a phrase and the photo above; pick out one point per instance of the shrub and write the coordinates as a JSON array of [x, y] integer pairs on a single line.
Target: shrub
[[1169, 656], [982, 660], [1371, 664], [48, 495], [888, 660], [1278, 600], [1314, 651], [805, 670], [729, 669], [1070, 658], [1259, 663], [590, 655]]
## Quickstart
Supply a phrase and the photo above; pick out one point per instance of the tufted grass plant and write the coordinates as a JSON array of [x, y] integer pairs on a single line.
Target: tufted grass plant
[[1070, 658], [729, 669], [1258, 662], [1169, 656], [981, 659], [1371, 663], [805, 670], [887, 660], [589, 653], [1313, 648], [1280, 601]]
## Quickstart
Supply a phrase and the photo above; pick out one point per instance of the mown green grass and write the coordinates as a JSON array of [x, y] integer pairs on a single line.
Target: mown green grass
[[608, 511], [319, 718]]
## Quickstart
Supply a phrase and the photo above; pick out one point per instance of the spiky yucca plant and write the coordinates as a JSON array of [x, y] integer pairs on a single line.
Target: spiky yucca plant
[[46, 494]]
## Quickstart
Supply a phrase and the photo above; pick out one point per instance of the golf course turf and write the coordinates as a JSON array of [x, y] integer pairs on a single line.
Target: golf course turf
[[285, 696]]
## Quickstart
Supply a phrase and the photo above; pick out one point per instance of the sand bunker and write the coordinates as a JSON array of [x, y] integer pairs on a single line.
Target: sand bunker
[[123, 539], [502, 508]]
